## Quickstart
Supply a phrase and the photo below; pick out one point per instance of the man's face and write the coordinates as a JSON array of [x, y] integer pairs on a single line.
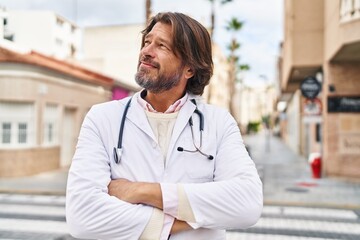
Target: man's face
[[159, 68]]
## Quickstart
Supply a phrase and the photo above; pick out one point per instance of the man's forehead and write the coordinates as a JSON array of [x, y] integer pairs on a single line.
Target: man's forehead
[[161, 29]]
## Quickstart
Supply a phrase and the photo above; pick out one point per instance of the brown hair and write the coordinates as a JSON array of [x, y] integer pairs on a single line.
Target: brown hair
[[191, 43]]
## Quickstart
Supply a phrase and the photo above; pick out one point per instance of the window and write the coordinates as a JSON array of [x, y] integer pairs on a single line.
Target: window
[[17, 128], [59, 42], [50, 127], [22, 133], [6, 133], [318, 132], [59, 22], [50, 132]]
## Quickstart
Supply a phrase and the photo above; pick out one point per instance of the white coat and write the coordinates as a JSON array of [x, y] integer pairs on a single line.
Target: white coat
[[224, 193]]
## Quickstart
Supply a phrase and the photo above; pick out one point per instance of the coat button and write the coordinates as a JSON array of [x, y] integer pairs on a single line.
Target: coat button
[[154, 144]]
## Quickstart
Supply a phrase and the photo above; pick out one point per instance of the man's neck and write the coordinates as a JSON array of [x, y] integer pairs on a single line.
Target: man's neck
[[162, 101]]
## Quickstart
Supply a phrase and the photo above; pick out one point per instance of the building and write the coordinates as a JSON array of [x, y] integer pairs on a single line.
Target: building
[[42, 104], [322, 42], [44, 92], [217, 92], [43, 31], [113, 50]]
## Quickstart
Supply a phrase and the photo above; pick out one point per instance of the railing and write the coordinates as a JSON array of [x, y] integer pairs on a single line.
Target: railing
[[349, 10]]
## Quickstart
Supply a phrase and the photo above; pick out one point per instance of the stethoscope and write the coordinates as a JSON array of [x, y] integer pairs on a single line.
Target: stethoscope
[[118, 150]]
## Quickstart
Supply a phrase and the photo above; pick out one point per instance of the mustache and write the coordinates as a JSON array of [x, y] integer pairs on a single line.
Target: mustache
[[147, 60]]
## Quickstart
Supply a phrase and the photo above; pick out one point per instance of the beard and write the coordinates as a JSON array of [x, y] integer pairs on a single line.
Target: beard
[[157, 84]]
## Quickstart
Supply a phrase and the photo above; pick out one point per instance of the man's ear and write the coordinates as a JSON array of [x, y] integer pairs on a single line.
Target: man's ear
[[189, 72]]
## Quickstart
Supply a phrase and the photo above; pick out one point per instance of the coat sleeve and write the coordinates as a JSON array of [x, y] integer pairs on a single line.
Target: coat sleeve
[[90, 212], [234, 200]]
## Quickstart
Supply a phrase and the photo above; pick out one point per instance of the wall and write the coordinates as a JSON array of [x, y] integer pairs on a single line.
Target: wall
[[24, 83], [342, 130], [15, 163], [293, 123], [116, 48]]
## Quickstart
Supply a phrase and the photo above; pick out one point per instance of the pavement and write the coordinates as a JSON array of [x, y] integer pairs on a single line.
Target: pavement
[[286, 177], [288, 181]]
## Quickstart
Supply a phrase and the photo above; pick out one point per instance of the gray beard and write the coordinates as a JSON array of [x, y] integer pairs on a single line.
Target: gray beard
[[157, 85]]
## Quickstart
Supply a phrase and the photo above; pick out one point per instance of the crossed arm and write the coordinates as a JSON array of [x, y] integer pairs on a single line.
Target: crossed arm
[[143, 193]]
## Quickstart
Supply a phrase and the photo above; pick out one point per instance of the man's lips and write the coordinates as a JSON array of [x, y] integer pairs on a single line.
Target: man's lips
[[149, 64]]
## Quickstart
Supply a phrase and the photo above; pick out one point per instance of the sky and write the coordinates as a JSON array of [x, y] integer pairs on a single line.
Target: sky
[[260, 36]]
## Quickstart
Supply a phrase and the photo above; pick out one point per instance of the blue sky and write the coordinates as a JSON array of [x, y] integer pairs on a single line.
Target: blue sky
[[260, 37]]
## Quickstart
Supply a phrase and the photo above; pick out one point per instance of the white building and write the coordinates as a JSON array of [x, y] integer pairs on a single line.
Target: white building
[[44, 32], [113, 50], [254, 103], [219, 83]]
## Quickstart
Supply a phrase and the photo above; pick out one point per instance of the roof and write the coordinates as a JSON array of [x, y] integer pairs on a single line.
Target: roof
[[60, 66]]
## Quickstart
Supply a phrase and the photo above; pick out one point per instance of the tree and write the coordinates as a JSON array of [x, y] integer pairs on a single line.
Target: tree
[[212, 17], [147, 10], [235, 67], [212, 27]]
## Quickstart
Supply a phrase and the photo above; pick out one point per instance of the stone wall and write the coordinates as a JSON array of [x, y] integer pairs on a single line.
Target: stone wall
[[24, 162]]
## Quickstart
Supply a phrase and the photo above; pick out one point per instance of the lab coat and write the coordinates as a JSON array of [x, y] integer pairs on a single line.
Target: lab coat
[[224, 193]]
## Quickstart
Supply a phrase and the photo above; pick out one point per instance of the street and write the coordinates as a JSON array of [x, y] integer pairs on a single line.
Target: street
[[296, 206], [42, 217]]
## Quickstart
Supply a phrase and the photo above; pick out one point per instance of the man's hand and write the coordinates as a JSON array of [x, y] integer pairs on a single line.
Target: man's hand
[[136, 192], [179, 226]]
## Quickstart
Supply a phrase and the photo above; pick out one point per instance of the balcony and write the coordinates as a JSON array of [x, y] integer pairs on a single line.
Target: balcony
[[349, 10], [302, 52], [344, 37]]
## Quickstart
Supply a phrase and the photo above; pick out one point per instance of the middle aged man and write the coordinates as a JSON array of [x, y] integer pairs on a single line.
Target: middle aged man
[[179, 169]]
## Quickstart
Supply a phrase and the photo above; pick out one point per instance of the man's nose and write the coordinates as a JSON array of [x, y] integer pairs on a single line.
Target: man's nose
[[148, 50]]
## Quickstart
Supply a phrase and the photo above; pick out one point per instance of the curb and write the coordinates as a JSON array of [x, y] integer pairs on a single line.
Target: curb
[[33, 192], [312, 204]]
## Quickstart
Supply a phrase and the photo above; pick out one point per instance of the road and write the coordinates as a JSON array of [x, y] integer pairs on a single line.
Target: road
[[42, 217]]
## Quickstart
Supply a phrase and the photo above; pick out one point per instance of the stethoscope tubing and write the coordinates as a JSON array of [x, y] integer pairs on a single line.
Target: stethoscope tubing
[[118, 150]]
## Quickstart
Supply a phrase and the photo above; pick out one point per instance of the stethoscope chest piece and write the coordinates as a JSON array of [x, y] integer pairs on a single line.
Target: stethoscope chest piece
[[117, 154]]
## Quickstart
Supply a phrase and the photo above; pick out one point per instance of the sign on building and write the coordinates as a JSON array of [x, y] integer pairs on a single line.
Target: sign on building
[[310, 87]]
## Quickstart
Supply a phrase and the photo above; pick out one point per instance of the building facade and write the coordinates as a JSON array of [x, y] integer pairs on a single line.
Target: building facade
[[45, 32], [42, 104], [217, 92], [322, 42], [113, 50]]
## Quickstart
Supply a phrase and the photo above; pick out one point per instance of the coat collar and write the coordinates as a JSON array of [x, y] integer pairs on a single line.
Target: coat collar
[[137, 116]]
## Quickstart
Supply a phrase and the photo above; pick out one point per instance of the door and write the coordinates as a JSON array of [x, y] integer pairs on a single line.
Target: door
[[68, 140]]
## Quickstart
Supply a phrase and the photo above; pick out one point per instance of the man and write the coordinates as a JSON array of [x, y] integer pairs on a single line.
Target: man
[[180, 170]]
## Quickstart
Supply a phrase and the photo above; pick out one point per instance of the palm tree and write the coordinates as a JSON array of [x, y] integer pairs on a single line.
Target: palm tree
[[147, 11], [212, 17], [235, 67], [212, 27]]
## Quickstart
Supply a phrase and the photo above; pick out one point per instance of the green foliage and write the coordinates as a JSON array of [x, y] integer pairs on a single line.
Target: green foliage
[[234, 25], [253, 127]]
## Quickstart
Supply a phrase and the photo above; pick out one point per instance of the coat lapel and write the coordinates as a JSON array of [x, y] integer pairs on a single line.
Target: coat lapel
[[137, 116], [182, 120]]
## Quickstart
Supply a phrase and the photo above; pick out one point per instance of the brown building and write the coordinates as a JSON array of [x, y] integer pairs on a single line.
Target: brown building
[[42, 104], [322, 41]]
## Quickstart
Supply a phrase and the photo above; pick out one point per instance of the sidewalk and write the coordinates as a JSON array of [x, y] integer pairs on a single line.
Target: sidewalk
[[288, 180], [286, 177], [48, 183]]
